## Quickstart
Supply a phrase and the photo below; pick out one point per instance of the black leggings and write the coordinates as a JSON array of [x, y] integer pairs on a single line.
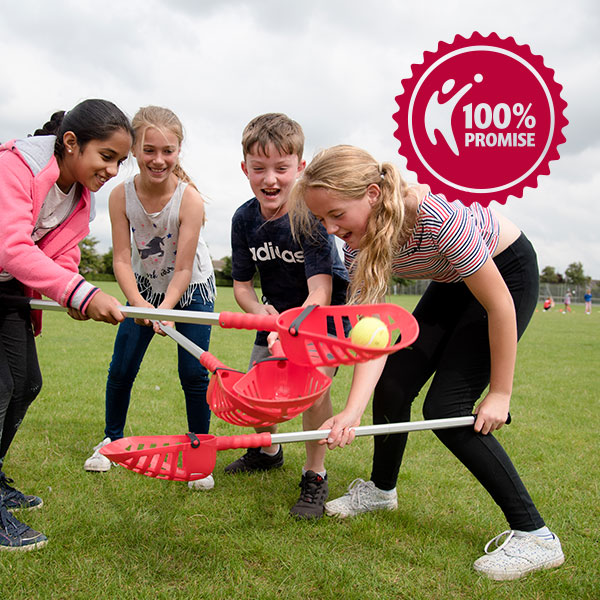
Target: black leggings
[[20, 376], [453, 346]]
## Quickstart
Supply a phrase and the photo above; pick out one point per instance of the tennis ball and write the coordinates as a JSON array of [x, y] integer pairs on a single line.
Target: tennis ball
[[371, 332]]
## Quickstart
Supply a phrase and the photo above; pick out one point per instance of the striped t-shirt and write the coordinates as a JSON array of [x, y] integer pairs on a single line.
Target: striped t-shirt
[[449, 242]]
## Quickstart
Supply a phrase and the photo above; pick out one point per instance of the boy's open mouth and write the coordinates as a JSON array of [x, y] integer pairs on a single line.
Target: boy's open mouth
[[270, 193]]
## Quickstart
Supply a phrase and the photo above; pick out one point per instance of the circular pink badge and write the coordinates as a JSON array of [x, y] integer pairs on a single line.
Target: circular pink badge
[[480, 119]]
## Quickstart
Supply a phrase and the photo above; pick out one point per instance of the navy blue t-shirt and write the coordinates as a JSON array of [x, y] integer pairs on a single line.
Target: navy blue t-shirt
[[283, 264]]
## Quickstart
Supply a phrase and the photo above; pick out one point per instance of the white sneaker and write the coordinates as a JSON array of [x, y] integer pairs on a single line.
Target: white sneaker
[[362, 496], [98, 462], [208, 483], [518, 555]]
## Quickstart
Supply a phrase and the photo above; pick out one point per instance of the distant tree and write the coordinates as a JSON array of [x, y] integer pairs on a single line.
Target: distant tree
[[401, 281], [223, 275], [107, 262], [90, 262], [549, 275], [574, 274], [227, 269]]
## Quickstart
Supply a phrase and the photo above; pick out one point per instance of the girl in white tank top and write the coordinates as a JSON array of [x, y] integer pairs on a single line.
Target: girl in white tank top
[[154, 249], [160, 260]]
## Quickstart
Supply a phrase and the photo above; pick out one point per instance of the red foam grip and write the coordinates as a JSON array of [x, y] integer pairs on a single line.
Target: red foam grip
[[234, 320], [251, 440], [212, 363]]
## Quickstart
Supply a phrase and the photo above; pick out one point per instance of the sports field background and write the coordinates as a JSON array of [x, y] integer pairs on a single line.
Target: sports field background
[[122, 535]]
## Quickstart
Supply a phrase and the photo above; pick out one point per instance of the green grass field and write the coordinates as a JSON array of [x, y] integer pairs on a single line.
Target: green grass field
[[122, 535]]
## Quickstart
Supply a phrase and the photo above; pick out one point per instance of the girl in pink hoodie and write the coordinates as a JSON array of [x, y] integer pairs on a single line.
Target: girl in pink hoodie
[[45, 207]]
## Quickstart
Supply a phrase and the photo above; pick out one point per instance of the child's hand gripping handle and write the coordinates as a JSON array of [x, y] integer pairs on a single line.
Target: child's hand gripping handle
[[277, 350]]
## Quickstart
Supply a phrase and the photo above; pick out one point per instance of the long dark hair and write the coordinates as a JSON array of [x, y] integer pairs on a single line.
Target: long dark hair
[[91, 119]]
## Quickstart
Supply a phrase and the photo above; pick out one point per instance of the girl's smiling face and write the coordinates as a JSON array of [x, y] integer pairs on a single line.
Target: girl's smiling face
[[341, 216], [157, 154], [96, 163]]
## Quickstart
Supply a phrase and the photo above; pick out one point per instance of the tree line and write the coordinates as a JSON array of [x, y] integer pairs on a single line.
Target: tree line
[[574, 274]]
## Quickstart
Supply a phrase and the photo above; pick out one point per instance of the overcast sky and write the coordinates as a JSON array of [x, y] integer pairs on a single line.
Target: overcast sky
[[334, 66]]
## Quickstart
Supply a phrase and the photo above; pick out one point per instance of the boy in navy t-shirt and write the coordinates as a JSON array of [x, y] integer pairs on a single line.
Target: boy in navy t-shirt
[[292, 273]]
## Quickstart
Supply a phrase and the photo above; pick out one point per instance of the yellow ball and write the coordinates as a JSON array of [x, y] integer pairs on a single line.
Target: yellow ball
[[371, 332]]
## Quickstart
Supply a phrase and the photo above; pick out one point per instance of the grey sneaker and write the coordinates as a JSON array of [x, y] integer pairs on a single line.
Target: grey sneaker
[[518, 555], [15, 535], [97, 462], [362, 496], [13, 499], [255, 460], [314, 492]]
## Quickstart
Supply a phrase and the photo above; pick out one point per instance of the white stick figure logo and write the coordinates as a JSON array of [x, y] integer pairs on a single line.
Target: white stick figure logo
[[438, 115]]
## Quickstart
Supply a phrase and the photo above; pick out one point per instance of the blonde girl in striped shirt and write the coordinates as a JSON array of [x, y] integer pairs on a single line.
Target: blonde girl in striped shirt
[[483, 292]]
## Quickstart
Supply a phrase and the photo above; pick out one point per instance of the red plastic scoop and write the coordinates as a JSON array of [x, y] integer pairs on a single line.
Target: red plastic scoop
[[319, 335], [272, 391], [189, 457], [279, 388]]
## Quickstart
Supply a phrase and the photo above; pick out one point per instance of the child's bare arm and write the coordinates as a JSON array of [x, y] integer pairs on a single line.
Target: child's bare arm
[[319, 290], [246, 297]]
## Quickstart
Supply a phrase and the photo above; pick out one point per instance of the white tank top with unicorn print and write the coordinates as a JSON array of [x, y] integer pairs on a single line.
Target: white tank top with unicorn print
[[154, 248]]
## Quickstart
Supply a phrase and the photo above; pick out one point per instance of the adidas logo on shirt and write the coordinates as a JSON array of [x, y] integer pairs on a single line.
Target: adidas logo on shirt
[[268, 252]]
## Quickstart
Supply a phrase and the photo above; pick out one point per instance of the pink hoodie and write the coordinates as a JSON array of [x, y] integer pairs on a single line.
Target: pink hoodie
[[28, 170]]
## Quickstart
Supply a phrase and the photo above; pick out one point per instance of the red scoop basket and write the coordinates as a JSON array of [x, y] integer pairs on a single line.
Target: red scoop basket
[[222, 399], [174, 457], [272, 391], [279, 388], [319, 335], [190, 457]]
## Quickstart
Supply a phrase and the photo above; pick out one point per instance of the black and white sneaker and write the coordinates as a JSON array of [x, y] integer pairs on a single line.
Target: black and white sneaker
[[255, 460], [314, 492], [13, 499], [15, 535]]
